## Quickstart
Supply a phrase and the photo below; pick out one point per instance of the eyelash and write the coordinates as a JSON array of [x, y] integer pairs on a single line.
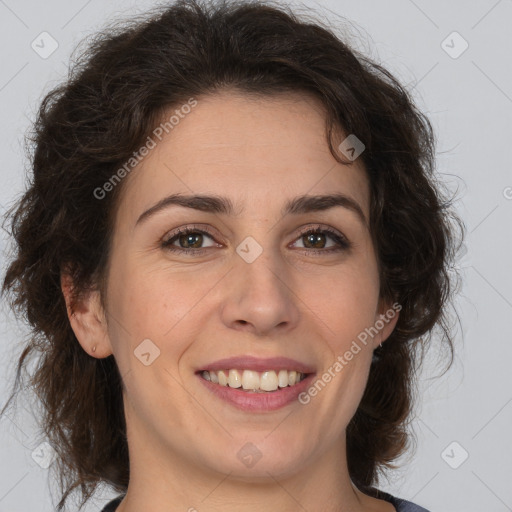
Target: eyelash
[[341, 240]]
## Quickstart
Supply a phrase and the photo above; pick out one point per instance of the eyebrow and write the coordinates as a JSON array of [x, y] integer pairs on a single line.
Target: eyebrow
[[223, 205]]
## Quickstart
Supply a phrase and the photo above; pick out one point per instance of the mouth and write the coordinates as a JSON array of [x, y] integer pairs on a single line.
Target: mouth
[[269, 381], [256, 385]]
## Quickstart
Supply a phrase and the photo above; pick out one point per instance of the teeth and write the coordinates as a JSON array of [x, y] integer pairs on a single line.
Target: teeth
[[234, 379], [254, 381], [250, 380], [223, 380], [268, 381], [282, 378]]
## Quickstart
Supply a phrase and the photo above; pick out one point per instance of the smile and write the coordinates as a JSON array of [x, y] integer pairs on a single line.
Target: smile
[[254, 392], [250, 380]]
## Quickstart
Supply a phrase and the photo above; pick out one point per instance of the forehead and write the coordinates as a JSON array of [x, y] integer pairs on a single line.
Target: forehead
[[266, 149]]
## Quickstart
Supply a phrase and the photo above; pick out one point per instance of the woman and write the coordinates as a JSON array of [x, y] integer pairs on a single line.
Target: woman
[[231, 252]]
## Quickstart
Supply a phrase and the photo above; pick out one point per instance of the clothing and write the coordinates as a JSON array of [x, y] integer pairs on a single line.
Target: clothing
[[112, 505], [400, 504]]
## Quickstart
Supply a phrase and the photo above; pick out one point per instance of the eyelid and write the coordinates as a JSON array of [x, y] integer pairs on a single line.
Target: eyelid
[[303, 230], [200, 228]]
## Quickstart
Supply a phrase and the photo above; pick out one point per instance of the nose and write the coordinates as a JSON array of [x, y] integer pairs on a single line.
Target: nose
[[259, 297]]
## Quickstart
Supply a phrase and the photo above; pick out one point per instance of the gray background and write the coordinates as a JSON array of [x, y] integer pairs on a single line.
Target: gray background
[[469, 101]]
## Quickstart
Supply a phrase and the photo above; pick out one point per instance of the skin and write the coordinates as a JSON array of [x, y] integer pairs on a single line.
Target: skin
[[183, 441]]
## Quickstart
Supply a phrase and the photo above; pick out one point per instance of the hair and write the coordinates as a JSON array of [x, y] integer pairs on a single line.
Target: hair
[[117, 91]]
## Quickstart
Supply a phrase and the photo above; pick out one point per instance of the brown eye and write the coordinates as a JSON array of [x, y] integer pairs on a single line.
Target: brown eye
[[317, 240], [188, 240], [314, 240]]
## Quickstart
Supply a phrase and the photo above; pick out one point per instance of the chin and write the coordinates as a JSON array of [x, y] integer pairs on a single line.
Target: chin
[[249, 463]]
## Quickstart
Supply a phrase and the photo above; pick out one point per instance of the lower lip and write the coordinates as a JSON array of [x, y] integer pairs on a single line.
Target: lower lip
[[258, 402]]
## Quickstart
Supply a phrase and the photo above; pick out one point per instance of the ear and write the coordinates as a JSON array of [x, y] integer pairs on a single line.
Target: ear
[[87, 319], [385, 320]]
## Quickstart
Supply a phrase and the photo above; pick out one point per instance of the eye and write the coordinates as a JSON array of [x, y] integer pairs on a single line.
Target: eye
[[315, 239], [188, 240]]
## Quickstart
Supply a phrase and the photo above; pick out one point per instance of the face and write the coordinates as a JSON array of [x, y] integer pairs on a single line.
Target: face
[[257, 281]]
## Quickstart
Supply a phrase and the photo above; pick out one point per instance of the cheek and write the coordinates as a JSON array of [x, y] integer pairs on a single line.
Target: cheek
[[151, 306], [344, 301], [150, 302]]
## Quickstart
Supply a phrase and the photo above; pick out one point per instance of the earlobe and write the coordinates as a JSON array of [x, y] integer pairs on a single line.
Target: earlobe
[[87, 319], [386, 321]]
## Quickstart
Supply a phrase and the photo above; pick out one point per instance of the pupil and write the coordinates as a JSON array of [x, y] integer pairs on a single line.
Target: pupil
[[314, 238], [188, 239]]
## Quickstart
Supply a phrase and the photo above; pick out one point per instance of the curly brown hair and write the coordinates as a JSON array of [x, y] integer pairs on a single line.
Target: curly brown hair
[[118, 89]]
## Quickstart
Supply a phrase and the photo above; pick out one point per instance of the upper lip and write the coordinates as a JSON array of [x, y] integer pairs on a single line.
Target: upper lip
[[258, 364]]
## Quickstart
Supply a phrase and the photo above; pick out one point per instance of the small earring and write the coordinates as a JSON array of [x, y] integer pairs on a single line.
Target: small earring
[[376, 357], [94, 348]]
